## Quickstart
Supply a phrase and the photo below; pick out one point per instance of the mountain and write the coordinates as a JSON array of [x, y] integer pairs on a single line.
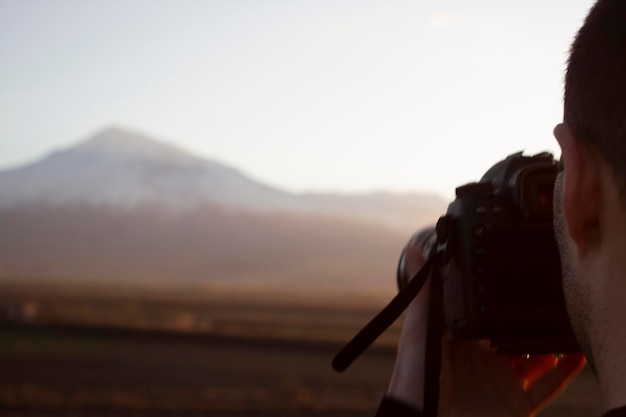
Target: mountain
[[120, 169], [122, 207]]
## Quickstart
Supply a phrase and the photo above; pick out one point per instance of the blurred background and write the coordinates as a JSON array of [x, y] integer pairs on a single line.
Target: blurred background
[[201, 201]]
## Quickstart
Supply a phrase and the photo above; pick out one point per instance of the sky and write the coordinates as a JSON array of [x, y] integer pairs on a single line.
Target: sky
[[304, 95]]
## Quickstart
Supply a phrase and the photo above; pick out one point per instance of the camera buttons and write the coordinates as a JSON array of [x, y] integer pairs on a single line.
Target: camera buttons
[[479, 230]]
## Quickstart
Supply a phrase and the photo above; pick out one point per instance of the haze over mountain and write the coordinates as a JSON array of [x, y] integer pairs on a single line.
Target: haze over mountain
[[123, 207]]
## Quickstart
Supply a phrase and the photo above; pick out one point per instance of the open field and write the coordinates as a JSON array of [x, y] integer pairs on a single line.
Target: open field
[[193, 357], [93, 372], [216, 311]]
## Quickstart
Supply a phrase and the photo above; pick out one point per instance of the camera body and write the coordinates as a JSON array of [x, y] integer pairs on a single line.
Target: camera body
[[501, 273]]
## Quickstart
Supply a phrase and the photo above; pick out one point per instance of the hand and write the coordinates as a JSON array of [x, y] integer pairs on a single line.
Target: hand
[[475, 380]]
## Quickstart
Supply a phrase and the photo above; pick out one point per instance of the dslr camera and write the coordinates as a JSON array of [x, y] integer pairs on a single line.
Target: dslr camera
[[500, 269]]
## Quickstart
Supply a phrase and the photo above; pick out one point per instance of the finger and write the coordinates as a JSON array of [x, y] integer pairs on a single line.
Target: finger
[[407, 379], [555, 380], [414, 259], [529, 368], [416, 318], [537, 366], [411, 261]]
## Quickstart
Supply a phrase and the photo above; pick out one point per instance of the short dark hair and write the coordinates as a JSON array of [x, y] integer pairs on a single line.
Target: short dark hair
[[595, 85]]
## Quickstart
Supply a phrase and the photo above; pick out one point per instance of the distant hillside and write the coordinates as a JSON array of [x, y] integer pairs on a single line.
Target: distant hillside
[[206, 247]]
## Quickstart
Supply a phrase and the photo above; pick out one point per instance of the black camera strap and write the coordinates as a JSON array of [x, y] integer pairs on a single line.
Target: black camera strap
[[434, 333], [390, 313]]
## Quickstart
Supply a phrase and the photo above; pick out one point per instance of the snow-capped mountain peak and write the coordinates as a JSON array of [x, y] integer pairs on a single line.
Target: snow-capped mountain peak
[[119, 168], [123, 142]]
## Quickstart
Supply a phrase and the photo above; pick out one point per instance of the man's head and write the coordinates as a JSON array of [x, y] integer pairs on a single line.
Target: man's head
[[595, 85], [590, 194]]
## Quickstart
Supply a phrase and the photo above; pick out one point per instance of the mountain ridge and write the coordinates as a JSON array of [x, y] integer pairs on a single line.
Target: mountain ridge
[[122, 169]]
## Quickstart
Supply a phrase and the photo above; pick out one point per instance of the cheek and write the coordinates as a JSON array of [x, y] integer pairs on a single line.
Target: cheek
[[557, 212], [564, 241]]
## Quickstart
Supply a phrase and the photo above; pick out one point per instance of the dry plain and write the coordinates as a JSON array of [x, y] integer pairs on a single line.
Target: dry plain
[[143, 356]]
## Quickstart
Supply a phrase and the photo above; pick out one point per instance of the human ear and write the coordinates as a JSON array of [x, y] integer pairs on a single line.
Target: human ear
[[581, 188]]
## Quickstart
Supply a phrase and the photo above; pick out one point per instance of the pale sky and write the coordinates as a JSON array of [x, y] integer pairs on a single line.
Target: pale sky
[[305, 95]]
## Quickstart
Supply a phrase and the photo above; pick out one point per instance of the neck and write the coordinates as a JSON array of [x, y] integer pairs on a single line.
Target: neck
[[608, 332], [612, 379]]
